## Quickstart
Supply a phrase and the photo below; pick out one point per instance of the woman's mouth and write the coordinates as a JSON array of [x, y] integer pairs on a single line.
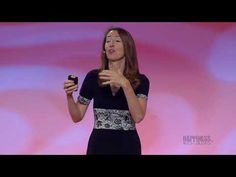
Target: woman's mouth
[[111, 51]]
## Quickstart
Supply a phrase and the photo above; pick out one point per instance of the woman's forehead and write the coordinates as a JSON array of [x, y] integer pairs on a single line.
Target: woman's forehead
[[113, 33]]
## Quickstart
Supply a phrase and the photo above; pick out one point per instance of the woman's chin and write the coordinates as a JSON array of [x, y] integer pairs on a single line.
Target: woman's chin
[[115, 58]]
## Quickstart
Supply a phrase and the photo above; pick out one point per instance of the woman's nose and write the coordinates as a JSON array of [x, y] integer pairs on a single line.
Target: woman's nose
[[111, 44]]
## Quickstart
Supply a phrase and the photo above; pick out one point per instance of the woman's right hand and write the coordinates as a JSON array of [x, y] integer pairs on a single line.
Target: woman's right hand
[[70, 87]]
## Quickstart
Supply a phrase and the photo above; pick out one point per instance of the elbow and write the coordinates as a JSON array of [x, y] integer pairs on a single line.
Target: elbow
[[140, 116], [77, 119], [139, 119]]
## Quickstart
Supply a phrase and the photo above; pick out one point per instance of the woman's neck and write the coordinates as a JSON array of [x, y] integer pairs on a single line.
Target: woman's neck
[[117, 65]]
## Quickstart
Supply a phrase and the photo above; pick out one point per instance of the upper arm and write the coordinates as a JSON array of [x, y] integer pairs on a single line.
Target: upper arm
[[86, 93], [142, 92]]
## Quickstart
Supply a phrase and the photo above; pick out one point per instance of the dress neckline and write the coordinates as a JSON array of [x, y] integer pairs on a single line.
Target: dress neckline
[[114, 93]]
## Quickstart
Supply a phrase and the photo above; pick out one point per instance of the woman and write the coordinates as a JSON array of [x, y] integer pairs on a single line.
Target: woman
[[120, 95]]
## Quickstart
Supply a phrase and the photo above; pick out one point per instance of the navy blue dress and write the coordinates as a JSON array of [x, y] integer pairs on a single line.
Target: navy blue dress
[[114, 130]]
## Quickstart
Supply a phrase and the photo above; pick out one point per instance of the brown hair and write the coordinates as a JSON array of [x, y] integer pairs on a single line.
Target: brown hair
[[131, 71]]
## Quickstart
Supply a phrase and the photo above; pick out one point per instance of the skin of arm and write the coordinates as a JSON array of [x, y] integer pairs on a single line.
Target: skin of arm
[[137, 106], [76, 109]]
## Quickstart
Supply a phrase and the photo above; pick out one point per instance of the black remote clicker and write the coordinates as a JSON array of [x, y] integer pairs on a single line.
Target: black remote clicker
[[73, 78]]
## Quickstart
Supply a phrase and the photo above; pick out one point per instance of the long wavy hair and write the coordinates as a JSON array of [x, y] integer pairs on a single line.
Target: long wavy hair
[[131, 70]]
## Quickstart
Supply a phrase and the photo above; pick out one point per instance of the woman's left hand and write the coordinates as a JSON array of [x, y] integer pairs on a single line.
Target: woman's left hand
[[116, 79]]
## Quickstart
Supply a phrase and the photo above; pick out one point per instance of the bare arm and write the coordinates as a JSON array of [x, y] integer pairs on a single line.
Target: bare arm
[[137, 106], [76, 109]]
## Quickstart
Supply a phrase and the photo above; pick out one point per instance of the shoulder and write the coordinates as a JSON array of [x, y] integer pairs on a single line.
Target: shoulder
[[143, 78], [92, 73], [143, 87], [91, 76]]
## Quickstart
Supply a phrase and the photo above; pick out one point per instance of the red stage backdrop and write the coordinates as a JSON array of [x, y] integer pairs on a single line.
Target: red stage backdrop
[[192, 98]]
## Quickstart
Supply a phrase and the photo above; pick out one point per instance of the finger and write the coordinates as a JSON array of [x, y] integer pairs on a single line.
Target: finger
[[104, 78], [107, 71], [68, 81], [74, 88], [70, 91], [106, 83], [68, 85], [105, 74], [71, 88]]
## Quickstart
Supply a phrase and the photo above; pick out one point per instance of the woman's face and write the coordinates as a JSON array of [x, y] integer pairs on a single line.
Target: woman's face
[[114, 46]]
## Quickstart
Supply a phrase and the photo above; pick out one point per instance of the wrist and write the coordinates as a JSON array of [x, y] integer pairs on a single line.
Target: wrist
[[69, 95], [125, 83]]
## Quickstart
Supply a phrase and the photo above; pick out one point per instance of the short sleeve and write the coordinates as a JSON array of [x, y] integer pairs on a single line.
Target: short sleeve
[[143, 89], [86, 91]]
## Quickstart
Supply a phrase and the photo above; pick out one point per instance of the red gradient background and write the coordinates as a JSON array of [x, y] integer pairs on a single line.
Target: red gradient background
[[191, 68]]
